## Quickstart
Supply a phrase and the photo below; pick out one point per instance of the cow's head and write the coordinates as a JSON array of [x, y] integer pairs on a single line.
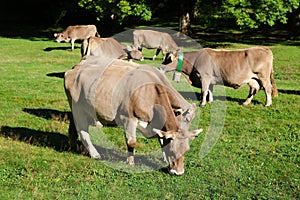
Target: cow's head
[[170, 57], [170, 62], [175, 144], [61, 37], [136, 54]]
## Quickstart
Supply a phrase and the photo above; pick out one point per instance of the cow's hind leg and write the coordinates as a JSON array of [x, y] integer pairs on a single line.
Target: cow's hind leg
[[254, 88], [86, 140], [73, 135], [210, 94], [205, 91], [266, 83], [82, 124]]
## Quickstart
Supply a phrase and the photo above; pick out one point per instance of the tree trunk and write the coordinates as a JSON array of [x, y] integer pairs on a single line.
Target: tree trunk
[[184, 23], [186, 8], [294, 24]]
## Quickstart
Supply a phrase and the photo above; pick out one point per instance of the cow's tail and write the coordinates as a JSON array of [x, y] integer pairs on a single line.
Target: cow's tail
[[274, 87]]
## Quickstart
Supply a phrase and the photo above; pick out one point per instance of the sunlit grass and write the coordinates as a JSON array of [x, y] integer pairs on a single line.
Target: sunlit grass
[[255, 157]]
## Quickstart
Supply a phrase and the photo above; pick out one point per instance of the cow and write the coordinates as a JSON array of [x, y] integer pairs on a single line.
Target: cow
[[78, 32], [234, 68], [108, 48], [133, 96], [154, 40]]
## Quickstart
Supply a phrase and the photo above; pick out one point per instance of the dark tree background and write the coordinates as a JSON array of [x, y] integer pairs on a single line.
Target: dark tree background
[[248, 15]]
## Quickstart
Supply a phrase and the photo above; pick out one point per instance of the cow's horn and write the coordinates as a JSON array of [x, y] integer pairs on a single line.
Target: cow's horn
[[167, 135], [159, 132], [172, 57], [195, 133]]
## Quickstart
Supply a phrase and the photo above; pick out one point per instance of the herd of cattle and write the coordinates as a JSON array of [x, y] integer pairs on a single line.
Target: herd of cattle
[[104, 88]]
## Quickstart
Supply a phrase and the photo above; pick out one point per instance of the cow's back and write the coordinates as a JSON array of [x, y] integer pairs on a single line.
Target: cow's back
[[154, 39], [105, 48], [81, 32], [107, 86]]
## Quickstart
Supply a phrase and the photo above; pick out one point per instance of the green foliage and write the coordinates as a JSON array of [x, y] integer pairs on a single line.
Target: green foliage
[[117, 9], [253, 13]]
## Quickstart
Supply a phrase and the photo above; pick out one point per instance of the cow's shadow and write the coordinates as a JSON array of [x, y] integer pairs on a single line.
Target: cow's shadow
[[296, 92], [49, 114], [59, 48], [56, 74], [196, 96], [54, 140], [60, 143]]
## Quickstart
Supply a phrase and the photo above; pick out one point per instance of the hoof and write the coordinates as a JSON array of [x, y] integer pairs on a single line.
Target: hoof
[[96, 156], [130, 160]]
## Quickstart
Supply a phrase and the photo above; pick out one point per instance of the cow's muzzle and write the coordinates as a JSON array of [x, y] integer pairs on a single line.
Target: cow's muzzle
[[174, 172]]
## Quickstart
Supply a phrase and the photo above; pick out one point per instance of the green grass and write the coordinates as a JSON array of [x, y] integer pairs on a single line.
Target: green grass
[[255, 157]]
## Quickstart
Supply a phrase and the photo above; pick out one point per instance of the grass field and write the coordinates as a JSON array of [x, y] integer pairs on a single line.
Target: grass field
[[256, 156]]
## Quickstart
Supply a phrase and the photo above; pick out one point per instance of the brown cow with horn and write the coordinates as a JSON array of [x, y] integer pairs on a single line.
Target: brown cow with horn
[[134, 97], [232, 68]]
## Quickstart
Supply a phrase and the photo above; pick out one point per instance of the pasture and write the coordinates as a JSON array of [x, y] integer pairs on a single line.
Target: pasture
[[256, 155]]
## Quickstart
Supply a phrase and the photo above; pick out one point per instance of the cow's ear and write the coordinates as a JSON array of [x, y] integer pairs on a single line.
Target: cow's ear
[[178, 111], [165, 134], [55, 34]]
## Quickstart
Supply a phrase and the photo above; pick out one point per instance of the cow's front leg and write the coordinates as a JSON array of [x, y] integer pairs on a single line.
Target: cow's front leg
[[130, 126], [72, 44], [157, 52]]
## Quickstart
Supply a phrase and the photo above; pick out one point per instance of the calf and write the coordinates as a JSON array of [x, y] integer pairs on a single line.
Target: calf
[[73, 33], [154, 40]]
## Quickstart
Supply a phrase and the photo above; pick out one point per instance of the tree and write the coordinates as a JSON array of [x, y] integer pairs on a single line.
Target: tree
[[253, 13], [186, 12], [119, 10]]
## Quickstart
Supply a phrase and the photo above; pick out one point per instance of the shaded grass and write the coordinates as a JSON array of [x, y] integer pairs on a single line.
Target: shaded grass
[[256, 156]]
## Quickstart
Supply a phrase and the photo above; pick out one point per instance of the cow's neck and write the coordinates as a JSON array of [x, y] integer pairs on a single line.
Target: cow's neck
[[168, 103], [187, 67]]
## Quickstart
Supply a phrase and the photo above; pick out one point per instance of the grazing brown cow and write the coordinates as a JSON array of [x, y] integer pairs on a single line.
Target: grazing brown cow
[[154, 40], [233, 68], [73, 33], [108, 48], [133, 96]]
